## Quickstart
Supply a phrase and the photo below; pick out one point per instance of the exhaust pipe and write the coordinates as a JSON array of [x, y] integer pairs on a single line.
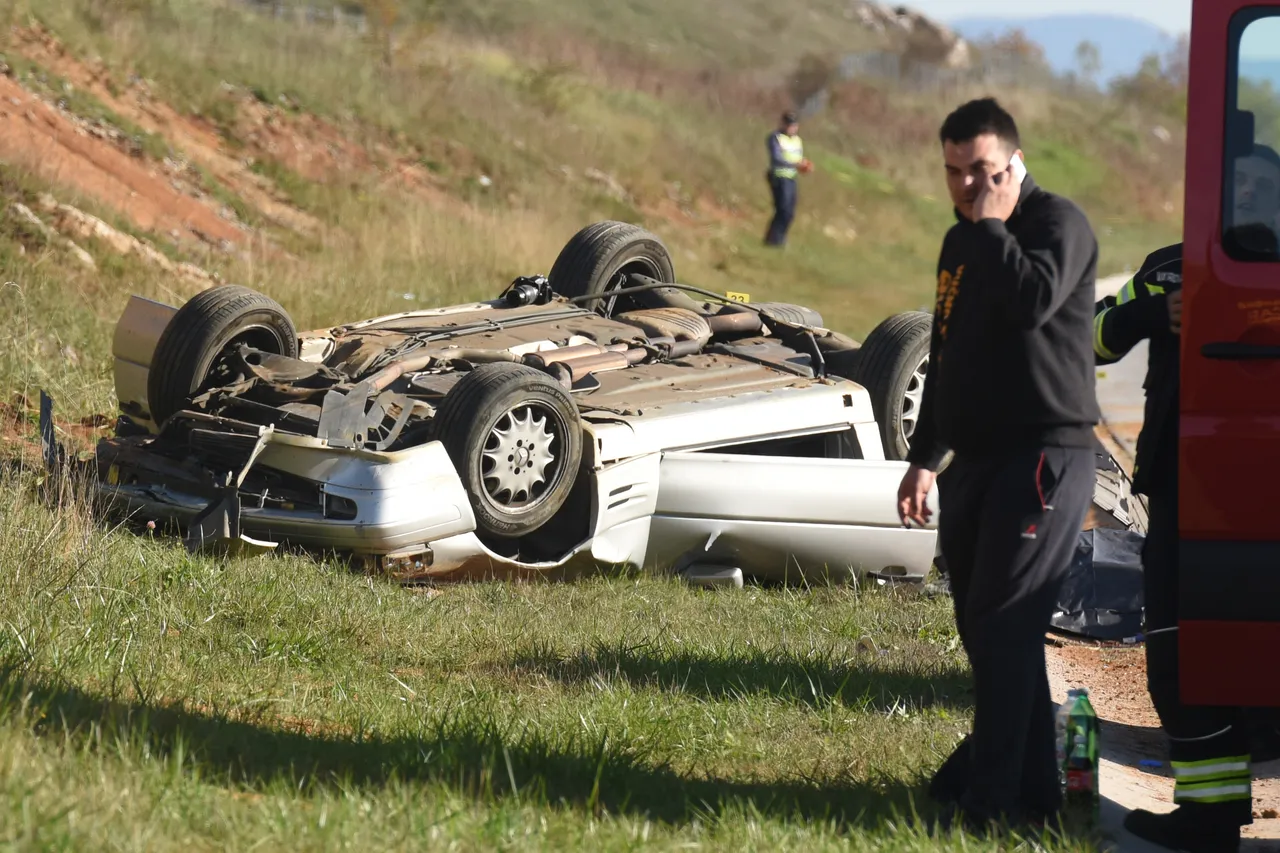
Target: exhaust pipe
[[580, 368], [735, 322], [567, 354], [383, 378], [682, 348]]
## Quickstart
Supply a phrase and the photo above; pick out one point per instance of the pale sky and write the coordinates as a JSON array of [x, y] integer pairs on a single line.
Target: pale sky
[[1173, 16]]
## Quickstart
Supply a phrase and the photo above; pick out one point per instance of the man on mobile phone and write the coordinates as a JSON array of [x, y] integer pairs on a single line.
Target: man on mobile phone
[[1010, 392]]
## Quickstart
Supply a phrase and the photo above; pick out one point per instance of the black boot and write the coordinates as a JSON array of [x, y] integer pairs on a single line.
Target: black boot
[[1181, 830]]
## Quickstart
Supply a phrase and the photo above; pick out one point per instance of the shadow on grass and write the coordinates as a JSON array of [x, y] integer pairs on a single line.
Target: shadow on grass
[[486, 759], [818, 680]]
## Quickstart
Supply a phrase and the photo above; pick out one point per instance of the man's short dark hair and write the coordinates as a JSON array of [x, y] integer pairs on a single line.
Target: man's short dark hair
[[789, 117], [979, 117]]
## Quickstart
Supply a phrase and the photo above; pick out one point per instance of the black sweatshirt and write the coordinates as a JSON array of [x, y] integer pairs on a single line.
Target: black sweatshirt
[[1011, 362]]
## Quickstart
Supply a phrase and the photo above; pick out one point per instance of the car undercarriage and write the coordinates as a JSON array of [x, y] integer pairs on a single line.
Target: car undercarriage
[[603, 415]]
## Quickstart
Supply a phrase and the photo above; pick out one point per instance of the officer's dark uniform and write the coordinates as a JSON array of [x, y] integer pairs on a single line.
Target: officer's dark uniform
[[1209, 746]]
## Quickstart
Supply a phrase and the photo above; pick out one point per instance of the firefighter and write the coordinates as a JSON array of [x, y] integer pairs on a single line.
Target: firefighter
[[1209, 746], [1010, 391], [786, 161]]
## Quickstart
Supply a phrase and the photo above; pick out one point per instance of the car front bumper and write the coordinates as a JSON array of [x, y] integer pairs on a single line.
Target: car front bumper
[[402, 500]]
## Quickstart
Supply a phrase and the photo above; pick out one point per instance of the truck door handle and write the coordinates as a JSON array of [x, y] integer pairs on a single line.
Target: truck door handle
[[1239, 352]]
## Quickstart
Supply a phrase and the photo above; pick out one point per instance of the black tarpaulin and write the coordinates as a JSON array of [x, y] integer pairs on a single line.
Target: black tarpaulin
[[1101, 596]]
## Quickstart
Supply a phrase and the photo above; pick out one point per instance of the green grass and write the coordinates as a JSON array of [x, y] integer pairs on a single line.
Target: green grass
[[743, 35], [154, 700], [300, 192]]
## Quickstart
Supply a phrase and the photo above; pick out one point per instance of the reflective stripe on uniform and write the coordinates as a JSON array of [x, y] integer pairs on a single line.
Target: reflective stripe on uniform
[[1214, 780], [1132, 290], [1099, 346], [1200, 770], [1216, 793], [1129, 292]]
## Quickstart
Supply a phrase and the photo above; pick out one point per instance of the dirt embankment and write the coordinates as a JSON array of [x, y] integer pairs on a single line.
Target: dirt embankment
[[47, 143], [185, 196], [169, 195], [194, 138]]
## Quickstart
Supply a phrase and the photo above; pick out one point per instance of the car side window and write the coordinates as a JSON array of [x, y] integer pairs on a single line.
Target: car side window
[[1251, 175]]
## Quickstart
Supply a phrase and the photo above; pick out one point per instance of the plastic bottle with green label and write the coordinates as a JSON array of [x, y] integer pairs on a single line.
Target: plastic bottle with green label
[[1078, 756]]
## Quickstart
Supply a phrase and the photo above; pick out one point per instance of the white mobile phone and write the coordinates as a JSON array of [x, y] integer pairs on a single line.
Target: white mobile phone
[[1019, 168]]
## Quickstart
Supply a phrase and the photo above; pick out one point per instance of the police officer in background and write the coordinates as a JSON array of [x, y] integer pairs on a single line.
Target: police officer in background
[[786, 161], [1209, 746]]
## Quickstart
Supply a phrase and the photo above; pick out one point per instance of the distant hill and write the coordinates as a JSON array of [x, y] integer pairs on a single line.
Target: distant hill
[[1122, 41]]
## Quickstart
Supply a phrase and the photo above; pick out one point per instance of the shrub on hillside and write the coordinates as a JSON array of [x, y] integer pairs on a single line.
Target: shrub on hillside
[[1160, 83]]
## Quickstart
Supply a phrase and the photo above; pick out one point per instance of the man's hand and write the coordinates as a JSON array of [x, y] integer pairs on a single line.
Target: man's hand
[[1174, 300], [998, 197], [913, 494]]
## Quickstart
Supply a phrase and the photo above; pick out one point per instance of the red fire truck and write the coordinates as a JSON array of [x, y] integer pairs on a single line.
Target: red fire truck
[[1229, 583]]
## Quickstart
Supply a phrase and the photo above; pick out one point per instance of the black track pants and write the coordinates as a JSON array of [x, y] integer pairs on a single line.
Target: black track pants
[[1008, 527]]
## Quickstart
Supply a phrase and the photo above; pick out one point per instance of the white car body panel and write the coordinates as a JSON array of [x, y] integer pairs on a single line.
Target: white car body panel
[[424, 313], [749, 417], [623, 500], [782, 518], [787, 551], [774, 517], [626, 491], [782, 489], [132, 347]]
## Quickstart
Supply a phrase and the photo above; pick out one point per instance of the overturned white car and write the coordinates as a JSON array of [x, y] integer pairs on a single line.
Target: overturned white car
[[601, 416]]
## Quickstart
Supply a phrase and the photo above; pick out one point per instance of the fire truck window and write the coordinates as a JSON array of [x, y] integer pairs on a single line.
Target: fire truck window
[[1252, 215]]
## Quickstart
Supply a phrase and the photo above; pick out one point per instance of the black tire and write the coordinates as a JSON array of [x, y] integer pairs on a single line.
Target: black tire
[[466, 422], [891, 365], [593, 258], [201, 330]]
